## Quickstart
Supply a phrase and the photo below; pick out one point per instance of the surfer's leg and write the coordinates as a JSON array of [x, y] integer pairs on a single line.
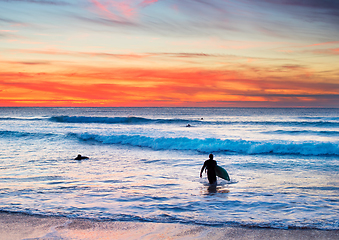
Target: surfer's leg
[[213, 183], [212, 179]]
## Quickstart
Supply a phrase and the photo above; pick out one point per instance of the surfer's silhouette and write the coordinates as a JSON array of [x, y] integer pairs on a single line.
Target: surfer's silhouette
[[79, 157], [210, 165]]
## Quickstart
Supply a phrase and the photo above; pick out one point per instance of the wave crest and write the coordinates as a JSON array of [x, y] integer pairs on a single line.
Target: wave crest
[[141, 120], [114, 120]]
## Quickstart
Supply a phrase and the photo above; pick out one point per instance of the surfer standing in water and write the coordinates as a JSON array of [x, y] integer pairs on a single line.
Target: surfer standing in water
[[210, 165]]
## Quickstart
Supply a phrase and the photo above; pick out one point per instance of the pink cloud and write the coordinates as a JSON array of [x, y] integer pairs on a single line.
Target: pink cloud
[[117, 10], [125, 8], [104, 9], [146, 3], [8, 30]]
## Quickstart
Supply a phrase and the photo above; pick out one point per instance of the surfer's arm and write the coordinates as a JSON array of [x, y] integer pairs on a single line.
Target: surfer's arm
[[202, 169]]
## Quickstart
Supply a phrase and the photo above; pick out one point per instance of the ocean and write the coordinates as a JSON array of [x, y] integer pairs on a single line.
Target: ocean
[[144, 165]]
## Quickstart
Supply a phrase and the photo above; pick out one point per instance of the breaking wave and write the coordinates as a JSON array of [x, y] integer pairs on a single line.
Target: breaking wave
[[207, 145], [215, 145]]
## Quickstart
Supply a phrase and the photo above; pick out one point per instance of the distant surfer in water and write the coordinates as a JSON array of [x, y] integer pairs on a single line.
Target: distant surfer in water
[[210, 165], [79, 157]]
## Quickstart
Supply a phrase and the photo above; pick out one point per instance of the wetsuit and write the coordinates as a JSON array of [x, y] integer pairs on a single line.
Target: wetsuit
[[210, 166], [79, 157]]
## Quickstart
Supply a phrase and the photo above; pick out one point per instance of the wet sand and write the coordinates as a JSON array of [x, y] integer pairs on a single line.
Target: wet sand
[[22, 226]]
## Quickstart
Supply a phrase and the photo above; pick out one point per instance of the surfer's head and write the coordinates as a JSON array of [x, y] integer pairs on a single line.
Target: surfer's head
[[211, 156]]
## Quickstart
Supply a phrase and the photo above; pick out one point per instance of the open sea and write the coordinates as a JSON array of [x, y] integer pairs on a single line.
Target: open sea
[[144, 165]]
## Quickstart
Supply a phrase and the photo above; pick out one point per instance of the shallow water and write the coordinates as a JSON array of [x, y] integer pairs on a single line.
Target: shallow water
[[144, 165]]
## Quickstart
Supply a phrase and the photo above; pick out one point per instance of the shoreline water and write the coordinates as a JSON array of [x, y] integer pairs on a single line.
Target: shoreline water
[[143, 170], [17, 226]]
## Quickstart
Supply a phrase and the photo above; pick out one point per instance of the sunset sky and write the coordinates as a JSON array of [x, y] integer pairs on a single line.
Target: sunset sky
[[194, 53]]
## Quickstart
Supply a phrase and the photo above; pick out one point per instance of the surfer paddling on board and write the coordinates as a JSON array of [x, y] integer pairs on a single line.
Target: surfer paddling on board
[[210, 165], [79, 157]]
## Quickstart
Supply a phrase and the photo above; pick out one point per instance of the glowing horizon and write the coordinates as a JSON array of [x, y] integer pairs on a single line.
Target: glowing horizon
[[170, 53]]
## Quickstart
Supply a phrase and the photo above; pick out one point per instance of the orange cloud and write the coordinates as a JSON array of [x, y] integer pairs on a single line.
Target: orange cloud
[[164, 87], [323, 43], [314, 48], [332, 51]]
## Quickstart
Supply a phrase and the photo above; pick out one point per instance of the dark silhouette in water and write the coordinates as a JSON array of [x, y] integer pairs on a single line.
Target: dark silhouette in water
[[79, 157], [210, 165]]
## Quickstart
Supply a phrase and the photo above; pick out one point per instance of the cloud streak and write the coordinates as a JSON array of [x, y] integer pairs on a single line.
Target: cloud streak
[[120, 10], [214, 17], [324, 4], [42, 2]]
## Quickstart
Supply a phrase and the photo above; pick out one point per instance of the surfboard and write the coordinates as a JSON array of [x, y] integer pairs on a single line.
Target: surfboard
[[222, 173]]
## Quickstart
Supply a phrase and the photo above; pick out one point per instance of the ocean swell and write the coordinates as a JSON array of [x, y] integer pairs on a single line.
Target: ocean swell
[[141, 120], [18, 134], [114, 120], [304, 132]]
